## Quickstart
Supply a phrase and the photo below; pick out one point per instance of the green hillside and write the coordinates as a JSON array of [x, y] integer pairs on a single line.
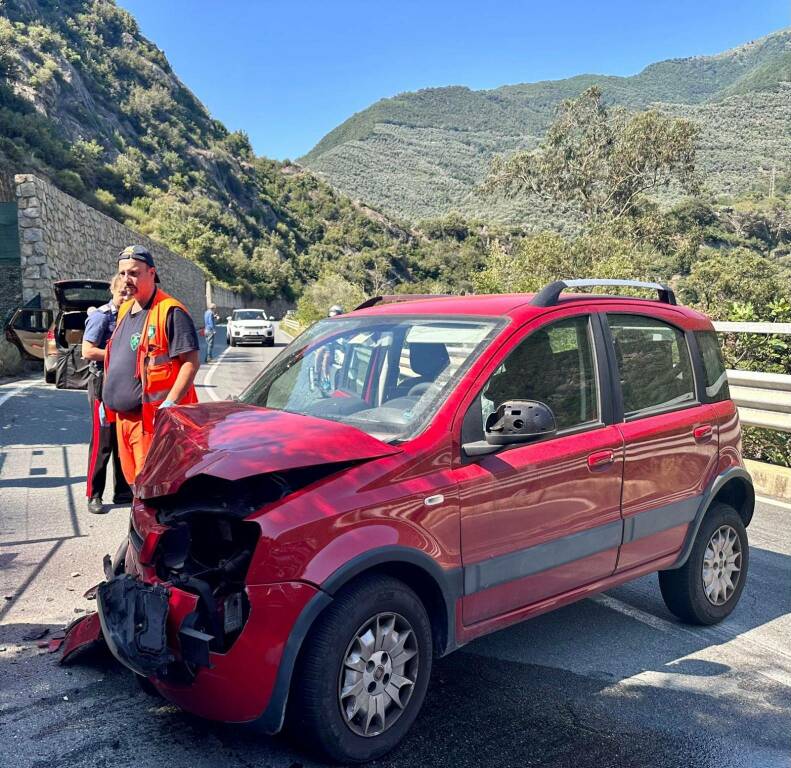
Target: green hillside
[[422, 154], [88, 102]]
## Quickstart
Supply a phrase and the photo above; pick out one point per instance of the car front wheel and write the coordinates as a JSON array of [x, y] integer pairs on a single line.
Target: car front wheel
[[708, 586], [363, 672]]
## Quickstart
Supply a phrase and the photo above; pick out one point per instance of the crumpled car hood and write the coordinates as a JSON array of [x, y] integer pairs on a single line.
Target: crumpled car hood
[[231, 440]]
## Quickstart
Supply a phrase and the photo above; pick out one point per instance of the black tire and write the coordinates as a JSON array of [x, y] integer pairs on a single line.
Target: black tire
[[232, 342], [315, 712], [683, 589], [49, 376]]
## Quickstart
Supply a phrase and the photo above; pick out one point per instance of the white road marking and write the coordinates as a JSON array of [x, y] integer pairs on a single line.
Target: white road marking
[[210, 375], [773, 502], [634, 613], [20, 387]]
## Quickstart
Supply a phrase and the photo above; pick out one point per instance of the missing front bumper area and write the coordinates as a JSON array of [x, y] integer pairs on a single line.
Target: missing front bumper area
[[134, 619]]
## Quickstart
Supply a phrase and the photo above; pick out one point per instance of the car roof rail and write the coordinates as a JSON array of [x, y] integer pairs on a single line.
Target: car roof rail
[[549, 295], [397, 297]]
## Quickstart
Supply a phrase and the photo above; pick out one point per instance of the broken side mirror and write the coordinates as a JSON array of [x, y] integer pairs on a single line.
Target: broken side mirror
[[519, 421]]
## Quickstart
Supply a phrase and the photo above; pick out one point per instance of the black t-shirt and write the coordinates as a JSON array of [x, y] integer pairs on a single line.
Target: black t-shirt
[[122, 390]]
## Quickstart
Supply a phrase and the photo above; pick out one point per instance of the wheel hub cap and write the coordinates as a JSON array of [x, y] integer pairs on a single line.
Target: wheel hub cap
[[722, 565], [378, 674]]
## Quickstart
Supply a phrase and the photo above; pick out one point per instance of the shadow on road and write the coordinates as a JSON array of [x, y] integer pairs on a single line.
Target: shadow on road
[[478, 712]]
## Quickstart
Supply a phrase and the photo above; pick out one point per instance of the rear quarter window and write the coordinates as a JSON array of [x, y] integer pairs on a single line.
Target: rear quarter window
[[713, 366]]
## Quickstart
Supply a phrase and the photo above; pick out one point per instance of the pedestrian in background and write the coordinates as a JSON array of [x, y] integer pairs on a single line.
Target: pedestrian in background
[[151, 361], [209, 328], [99, 327]]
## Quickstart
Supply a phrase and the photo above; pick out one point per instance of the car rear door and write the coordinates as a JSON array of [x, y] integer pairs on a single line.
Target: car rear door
[[670, 436], [542, 518], [27, 330]]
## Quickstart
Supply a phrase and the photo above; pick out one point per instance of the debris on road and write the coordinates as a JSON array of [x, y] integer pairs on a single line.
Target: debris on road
[[36, 634]]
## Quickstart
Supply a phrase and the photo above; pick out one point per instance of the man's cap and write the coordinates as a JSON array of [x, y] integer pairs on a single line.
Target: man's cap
[[139, 253]]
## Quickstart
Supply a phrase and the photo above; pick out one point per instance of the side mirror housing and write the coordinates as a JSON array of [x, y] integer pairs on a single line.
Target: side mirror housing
[[519, 421]]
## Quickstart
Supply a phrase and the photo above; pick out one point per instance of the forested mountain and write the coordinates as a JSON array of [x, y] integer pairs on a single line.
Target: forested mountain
[[87, 101], [422, 154]]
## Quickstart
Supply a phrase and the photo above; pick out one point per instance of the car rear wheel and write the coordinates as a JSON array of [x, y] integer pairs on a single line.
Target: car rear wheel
[[49, 376], [363, 672], [708, 586]]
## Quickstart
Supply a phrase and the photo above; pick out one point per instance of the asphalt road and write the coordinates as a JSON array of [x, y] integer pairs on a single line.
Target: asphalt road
[[611, 681]]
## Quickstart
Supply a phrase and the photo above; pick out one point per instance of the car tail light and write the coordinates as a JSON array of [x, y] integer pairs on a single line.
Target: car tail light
[[50, 335]]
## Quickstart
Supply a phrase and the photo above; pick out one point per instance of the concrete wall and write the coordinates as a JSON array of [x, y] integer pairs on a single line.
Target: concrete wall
[[64, 239], [225, 300]]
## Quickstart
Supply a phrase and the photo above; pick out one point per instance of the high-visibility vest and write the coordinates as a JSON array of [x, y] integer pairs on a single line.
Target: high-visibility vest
[[155, 368]]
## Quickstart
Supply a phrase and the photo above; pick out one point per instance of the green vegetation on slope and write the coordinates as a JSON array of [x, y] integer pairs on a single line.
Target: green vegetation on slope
[[423, 154], [88, 102]]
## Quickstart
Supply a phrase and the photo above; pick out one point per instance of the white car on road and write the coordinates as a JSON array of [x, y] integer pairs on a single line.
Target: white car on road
[[250, 326]]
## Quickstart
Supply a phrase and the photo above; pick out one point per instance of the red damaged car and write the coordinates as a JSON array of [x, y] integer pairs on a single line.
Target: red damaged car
[[413, 475]]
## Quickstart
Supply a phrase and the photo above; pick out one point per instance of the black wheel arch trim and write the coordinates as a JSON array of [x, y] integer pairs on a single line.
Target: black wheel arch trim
[[449, 582], [732, 473]]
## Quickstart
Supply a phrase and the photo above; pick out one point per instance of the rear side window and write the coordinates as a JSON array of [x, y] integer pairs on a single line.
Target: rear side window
[[654, 363], [716, 378]]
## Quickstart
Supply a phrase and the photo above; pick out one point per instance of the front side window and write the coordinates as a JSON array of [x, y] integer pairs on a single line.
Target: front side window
[[716, 378], [654, 364], [555, 365], [384, 375]]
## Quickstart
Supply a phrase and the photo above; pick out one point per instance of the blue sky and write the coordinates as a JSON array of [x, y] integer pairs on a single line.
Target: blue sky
[[289, 72]]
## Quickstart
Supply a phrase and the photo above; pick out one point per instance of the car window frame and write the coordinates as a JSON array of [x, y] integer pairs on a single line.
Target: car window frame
[[695, 367], [602, 366]]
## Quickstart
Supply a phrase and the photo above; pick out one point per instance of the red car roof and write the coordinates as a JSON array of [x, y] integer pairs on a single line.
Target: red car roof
[[518, 306]]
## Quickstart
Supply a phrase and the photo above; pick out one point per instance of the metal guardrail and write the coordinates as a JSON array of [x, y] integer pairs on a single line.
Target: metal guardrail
[[763, 399], [291, 326]]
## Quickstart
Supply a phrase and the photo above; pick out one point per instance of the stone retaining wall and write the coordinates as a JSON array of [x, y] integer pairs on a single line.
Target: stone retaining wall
[[64, 239]]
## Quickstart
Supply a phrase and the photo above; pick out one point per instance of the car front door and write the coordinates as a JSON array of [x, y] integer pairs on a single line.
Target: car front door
[[542, 518], [670, 436]]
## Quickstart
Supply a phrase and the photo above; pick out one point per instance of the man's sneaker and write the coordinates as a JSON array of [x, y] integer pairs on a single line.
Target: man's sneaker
[[95, 505], [122, 498]]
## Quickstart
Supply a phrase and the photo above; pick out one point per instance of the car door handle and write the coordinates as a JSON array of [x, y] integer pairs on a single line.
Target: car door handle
[[600, 459], [703, 432]]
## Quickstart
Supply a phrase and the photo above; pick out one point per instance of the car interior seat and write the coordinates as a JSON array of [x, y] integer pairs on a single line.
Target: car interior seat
[[427, 360]]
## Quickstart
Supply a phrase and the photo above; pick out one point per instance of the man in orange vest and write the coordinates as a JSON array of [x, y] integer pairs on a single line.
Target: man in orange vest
[[151, 360]]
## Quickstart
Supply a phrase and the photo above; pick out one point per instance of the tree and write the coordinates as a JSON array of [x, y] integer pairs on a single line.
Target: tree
[[545, 257], [600, 159], [328, 290], [722, 279]]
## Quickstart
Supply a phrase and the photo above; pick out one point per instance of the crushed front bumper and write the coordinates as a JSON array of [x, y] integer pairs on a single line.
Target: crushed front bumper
[[134, 616], [149, 628]]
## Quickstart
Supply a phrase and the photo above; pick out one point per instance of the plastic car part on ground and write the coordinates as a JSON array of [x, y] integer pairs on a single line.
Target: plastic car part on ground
[[81, 635]]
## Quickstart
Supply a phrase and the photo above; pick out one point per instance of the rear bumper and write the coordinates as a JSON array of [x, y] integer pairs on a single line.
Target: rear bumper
[[148, 628]]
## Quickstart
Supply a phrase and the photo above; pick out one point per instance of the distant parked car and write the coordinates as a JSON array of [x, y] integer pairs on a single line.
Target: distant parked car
[[73, 298], [250, 326]]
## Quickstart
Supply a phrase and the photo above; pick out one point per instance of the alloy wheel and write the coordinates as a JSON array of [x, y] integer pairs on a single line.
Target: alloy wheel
[[378, 674], [722, 565]]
